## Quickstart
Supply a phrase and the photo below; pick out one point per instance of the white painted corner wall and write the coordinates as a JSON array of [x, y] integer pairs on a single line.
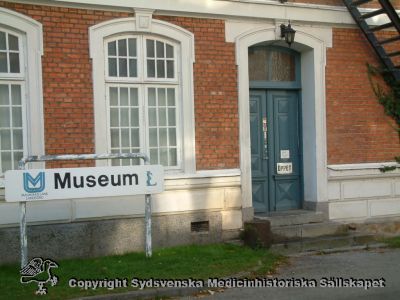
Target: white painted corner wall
[[362, 191]]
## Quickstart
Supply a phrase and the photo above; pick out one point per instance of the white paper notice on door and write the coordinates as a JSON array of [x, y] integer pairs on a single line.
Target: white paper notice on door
[[284, 168], [285, 154]]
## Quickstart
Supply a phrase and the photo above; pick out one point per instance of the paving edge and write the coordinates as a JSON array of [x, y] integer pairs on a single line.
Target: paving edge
[[147, 294], [341, 249]]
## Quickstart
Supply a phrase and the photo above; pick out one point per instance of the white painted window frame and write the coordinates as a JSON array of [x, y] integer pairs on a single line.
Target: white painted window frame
[[31, 34], [144, 24]]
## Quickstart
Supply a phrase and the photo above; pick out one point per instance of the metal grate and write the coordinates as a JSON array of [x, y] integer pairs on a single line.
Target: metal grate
[[202, 226]]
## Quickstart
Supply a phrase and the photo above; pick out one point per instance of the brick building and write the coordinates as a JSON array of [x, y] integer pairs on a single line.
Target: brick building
[[242, 122]]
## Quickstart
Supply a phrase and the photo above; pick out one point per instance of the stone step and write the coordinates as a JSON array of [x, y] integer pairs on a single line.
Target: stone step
[[326, 244], [292, 217], [299, 232]]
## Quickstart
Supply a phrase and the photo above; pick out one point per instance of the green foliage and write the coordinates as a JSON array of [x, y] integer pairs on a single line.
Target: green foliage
[[393, 242], [389, 98], [194, 261]]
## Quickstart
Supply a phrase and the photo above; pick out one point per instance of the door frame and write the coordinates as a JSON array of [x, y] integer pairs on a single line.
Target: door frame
[[312, 47]]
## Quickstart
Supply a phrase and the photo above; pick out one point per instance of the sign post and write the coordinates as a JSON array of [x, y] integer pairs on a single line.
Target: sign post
[[50, 184]]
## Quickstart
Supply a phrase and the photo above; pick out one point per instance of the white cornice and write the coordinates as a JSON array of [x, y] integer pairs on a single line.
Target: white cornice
[[253, 9]]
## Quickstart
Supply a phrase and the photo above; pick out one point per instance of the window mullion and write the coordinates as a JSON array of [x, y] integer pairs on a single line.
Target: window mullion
[[144, 132]]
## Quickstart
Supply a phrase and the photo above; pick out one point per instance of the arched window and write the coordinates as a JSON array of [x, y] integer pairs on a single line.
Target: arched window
[[21, 116], [143, 91], [12, 85], [142, 98]]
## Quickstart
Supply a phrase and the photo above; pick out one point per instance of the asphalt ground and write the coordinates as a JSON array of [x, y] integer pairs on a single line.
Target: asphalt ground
[[379, 268]]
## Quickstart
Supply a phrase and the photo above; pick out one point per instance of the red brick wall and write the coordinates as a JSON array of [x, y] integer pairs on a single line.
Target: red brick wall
[[68, 95], [67, 78], [357, 129], [216, 98]]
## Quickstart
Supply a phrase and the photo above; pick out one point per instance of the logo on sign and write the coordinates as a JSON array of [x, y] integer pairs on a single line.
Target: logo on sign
[[34, 184], [38, 270], [150, 179]]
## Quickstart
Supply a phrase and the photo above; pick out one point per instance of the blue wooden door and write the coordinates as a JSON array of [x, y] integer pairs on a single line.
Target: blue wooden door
[[275, 150], [259, 150]]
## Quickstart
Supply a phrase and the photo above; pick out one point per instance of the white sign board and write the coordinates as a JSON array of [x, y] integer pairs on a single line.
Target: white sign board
[[284, 168], [50, 184]]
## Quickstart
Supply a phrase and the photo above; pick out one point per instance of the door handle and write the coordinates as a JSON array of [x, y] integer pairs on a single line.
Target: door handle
[[265, 138]]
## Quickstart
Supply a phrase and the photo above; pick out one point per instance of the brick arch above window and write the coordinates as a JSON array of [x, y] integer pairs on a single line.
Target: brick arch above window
[[144, 26]]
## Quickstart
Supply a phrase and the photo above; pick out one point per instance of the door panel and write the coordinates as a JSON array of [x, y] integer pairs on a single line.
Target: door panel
[[276, 164], [259, 164]]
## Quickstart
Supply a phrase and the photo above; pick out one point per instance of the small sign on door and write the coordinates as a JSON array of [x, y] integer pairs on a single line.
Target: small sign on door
[[285, 154], [284, 168]]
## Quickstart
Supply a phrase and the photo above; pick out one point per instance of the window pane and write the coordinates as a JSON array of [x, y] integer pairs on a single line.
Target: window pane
[[114, 138], [4, 117], [171, 117], [6, 163], [125, 137], [112, 67], [124, 117], [258, 64], [17, 158], [113, 96], [132, 68], [5, 139], [123, 94], [112, 48], [151, 69], [135, 137], [17, 116], [134, 117], [160, 69], [14, 62], [162, 117], [170, 69], [134, 97], [164, 156], [3, 62], [17, 139], [13, 42], [269, 64], [4, 99], [132, 47], [153, 136], [172, 136], [154, 156], [123, 71], [152, 97], [163, 137], [150, 48], [15, 94], [115, 162], [160, 49], [161, 97], [170, 51], [282, 66], [173, 157], [171, 97], [114, 117], [3, 45], [122, 47], [152, 117]]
